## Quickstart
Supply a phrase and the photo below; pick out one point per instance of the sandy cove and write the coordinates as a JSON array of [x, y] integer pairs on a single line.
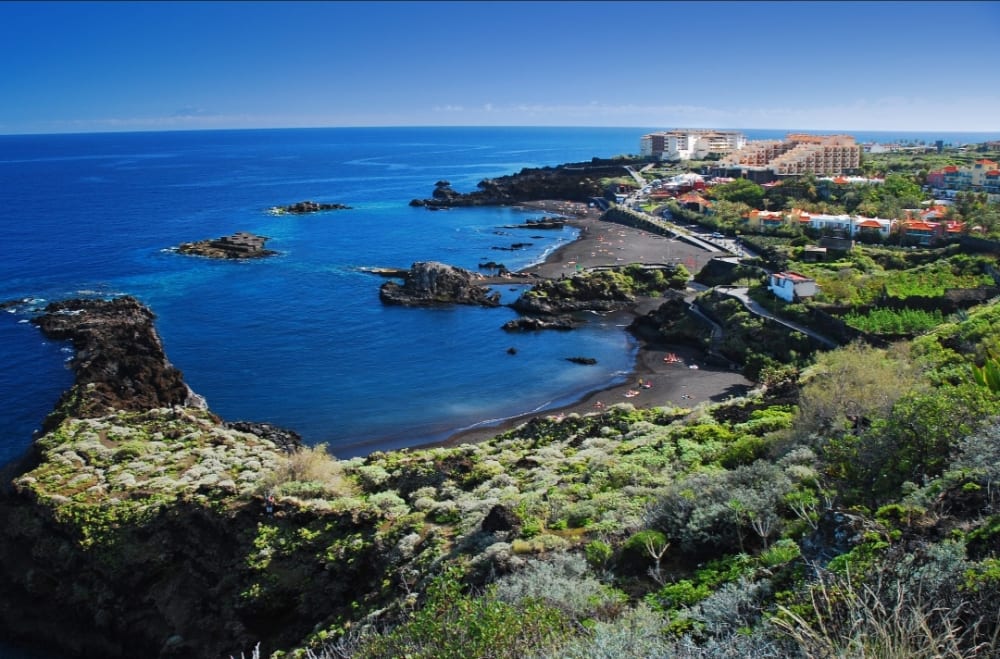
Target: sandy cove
[[683, 383]]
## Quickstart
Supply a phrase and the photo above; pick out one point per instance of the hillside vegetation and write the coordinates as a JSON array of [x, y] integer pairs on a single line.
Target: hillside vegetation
[[862, 487]]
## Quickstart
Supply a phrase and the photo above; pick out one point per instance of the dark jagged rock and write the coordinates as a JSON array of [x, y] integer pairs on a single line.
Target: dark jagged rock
[[240, 245], [672, 322], [119, 362], [304, 207], [572, 181], [583, 292], [513, 247], [500, 519], [498, 268], [288, 440], [433, 283], [532, 324], [543, 223], [836, 533]]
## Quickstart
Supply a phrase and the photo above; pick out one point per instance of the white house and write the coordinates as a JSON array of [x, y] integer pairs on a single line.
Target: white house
[[790, 286]]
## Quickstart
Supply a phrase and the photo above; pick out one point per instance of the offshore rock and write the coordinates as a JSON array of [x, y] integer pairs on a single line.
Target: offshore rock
[[241, 245], [119, 362], [581, 292], [543, 223], [432, 283], [304, 207]]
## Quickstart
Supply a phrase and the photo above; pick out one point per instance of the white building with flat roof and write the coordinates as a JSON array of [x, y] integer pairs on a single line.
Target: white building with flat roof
[[681, 144]]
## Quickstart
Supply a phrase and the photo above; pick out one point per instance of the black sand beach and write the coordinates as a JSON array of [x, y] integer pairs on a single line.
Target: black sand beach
[[683, 383]]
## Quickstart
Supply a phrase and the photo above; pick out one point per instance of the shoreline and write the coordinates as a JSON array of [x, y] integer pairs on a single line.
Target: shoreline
[[683, 383]]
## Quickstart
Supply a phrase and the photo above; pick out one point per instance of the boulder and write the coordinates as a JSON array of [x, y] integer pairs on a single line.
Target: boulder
[[500, 519], [431, 283], [287, 440], [836, 533]]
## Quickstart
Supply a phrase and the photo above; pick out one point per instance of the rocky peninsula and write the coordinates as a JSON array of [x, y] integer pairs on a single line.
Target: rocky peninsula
[[575, 182], [109, 543]]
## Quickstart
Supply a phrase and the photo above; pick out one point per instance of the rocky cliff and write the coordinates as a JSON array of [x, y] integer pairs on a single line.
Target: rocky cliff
[[127, 531]]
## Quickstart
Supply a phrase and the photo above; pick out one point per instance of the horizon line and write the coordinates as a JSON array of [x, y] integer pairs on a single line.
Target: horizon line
[[838, 131]]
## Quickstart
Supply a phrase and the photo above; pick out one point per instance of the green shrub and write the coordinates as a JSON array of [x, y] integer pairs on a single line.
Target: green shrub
[[453, 625], [598, 553]]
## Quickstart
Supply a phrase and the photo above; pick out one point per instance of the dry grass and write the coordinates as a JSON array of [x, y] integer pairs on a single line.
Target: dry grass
[[310, 470], [867, 622]]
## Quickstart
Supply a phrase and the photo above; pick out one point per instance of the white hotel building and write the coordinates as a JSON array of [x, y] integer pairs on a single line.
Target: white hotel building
[[687, 144]]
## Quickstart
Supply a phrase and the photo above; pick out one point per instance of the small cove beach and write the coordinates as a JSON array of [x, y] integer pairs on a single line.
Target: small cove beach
[[673, 375]]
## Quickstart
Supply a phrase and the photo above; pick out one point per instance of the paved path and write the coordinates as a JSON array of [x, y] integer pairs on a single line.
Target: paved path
[[636, 175], [740, 293]]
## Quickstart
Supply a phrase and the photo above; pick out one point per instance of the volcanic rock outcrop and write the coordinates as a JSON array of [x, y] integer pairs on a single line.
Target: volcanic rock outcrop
[[240, 245], [304, 207], [433, 283], [119, 362], [572, 181]]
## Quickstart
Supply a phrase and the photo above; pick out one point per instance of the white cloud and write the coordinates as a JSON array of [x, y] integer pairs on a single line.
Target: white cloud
[[887, 113]]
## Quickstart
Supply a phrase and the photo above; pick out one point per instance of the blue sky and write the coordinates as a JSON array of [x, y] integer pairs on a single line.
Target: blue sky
[[100, 66]]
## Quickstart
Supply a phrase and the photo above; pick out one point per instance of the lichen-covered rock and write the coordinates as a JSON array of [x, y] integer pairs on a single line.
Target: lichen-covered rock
[[433, 283]]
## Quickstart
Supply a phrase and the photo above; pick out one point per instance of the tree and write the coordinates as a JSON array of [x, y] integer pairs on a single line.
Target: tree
[[729, 213], [903, 188], [741, 191], [915, 441], [849, 387]]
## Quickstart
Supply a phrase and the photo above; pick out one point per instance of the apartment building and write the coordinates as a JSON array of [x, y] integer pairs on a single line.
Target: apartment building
[[797, 154], [982, 176], [681, 144]]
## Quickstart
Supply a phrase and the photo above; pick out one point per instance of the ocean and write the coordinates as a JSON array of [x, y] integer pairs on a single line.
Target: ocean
[[301, 339]]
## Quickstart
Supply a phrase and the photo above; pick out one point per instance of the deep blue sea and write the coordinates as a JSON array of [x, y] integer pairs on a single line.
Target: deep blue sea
[[300, 340]]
